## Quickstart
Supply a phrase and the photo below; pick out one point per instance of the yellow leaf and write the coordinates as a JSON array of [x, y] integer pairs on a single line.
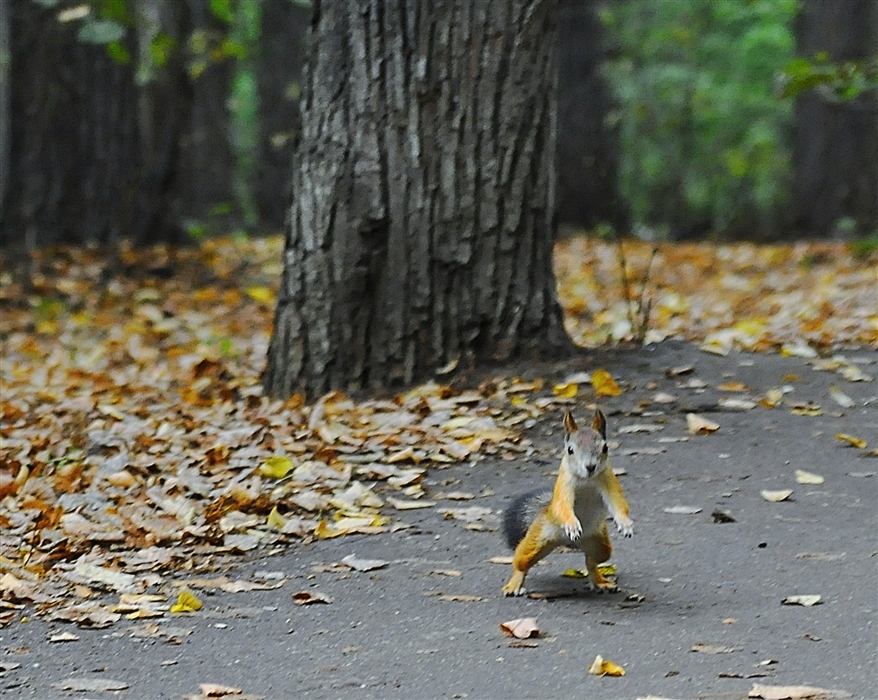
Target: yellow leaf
[[605, 569], [277, 467], [566, 391], [601, 667], [732, 386], [856, 442], [604, 384], [275, 520], [186, 602], [263, 295]]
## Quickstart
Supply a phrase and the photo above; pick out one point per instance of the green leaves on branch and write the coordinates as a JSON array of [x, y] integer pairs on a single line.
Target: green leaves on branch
[[838, 82]]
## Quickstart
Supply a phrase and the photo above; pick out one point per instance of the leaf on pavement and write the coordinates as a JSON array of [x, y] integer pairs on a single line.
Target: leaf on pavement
[[521, 628], [776, 496], [795, 692], [310, 598], [358, 564], [565, 391], [277, 467], [804, 600], [187, 602], [803, 477], [851, 440], [603, 667], [604, 384], [90, 685], [703, 648], [698, 425]]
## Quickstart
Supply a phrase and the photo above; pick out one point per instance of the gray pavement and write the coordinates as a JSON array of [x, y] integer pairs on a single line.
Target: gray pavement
[[686, 580]]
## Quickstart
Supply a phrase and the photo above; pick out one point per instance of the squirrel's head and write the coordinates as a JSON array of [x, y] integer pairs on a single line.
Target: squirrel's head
[[585, 449]]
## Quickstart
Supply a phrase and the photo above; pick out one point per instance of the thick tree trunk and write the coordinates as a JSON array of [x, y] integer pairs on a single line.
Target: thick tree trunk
[[5, 114], [93, 156], [588, 156], [836, 144], [423, 219]]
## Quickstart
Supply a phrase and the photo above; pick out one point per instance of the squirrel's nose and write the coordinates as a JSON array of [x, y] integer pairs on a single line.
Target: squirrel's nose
[[590, 468]]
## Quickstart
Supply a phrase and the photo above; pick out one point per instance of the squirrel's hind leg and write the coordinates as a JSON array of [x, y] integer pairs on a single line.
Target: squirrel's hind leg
[[540, 539]]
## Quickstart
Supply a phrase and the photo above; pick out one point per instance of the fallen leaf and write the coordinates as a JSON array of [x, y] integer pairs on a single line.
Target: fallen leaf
[[276, 467], [602, 667], [522, 628], [851, 440], [737, 404], [776, 496], [186, 602], [64, 637], [821, 556], [399, 504], [460, 598], [213, 690], [604, 384], [722, 516], [99, 574], [804, 600], [798, 349], [732, 386], [840, 397], [682, 510], [605, 569], [702, 648], [795, 692], [310, 597], [91, 685], [566, 391], [698, 425], [803, 477], [357, 564]]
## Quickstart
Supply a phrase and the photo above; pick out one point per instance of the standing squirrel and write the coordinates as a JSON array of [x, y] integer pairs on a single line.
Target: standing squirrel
[[574, 513]]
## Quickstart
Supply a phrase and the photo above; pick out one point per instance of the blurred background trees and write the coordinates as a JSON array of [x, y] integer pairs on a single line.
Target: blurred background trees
[[152, 120]]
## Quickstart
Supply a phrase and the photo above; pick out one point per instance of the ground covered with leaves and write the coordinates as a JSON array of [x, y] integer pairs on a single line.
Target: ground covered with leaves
[[137, 441]]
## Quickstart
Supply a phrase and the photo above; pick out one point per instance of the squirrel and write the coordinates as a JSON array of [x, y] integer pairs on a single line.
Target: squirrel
[[574, 513]]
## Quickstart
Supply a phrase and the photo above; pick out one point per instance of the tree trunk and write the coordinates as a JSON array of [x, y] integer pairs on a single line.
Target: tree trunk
[[588, 156], [93, 156], [278, 76], [836, 144], [5, 114], [423, 220]]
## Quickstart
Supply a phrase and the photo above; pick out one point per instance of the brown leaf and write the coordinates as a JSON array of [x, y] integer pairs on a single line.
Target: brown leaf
[[310, 597]]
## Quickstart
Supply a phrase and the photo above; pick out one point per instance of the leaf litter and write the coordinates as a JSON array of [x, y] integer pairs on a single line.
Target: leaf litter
[[137, 437]]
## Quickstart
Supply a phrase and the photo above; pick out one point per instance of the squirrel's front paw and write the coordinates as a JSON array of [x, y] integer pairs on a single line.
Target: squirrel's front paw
[[626, 526], [573, 530]]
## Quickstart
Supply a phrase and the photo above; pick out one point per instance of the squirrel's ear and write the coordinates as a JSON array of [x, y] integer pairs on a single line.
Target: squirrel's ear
[[569, 423], [600, 423]]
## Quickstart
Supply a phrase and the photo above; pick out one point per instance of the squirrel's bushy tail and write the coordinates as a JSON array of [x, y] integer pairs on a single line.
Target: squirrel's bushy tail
[[521, 513]]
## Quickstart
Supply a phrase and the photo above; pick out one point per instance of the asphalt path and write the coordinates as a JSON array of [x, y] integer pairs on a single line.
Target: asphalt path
[[699, 614]]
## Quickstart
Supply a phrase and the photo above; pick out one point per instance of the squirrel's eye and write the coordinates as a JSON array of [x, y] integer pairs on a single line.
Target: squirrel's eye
[[570, 449]]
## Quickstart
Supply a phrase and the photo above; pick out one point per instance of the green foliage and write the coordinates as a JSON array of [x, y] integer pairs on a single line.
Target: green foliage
[[703, 134], [840, 82]]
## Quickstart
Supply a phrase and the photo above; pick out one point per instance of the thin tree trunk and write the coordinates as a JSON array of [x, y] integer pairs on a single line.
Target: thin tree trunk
[[5, 115], [836, 144], [423, 219], [588, 155]]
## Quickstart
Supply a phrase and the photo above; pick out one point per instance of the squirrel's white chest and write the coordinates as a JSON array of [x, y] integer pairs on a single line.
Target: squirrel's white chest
[[589, 508]]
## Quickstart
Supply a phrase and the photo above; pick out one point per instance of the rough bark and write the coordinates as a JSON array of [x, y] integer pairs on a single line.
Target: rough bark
[[423, 219], [93, 157], [588, 155], [5, 115], [836, 144]]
